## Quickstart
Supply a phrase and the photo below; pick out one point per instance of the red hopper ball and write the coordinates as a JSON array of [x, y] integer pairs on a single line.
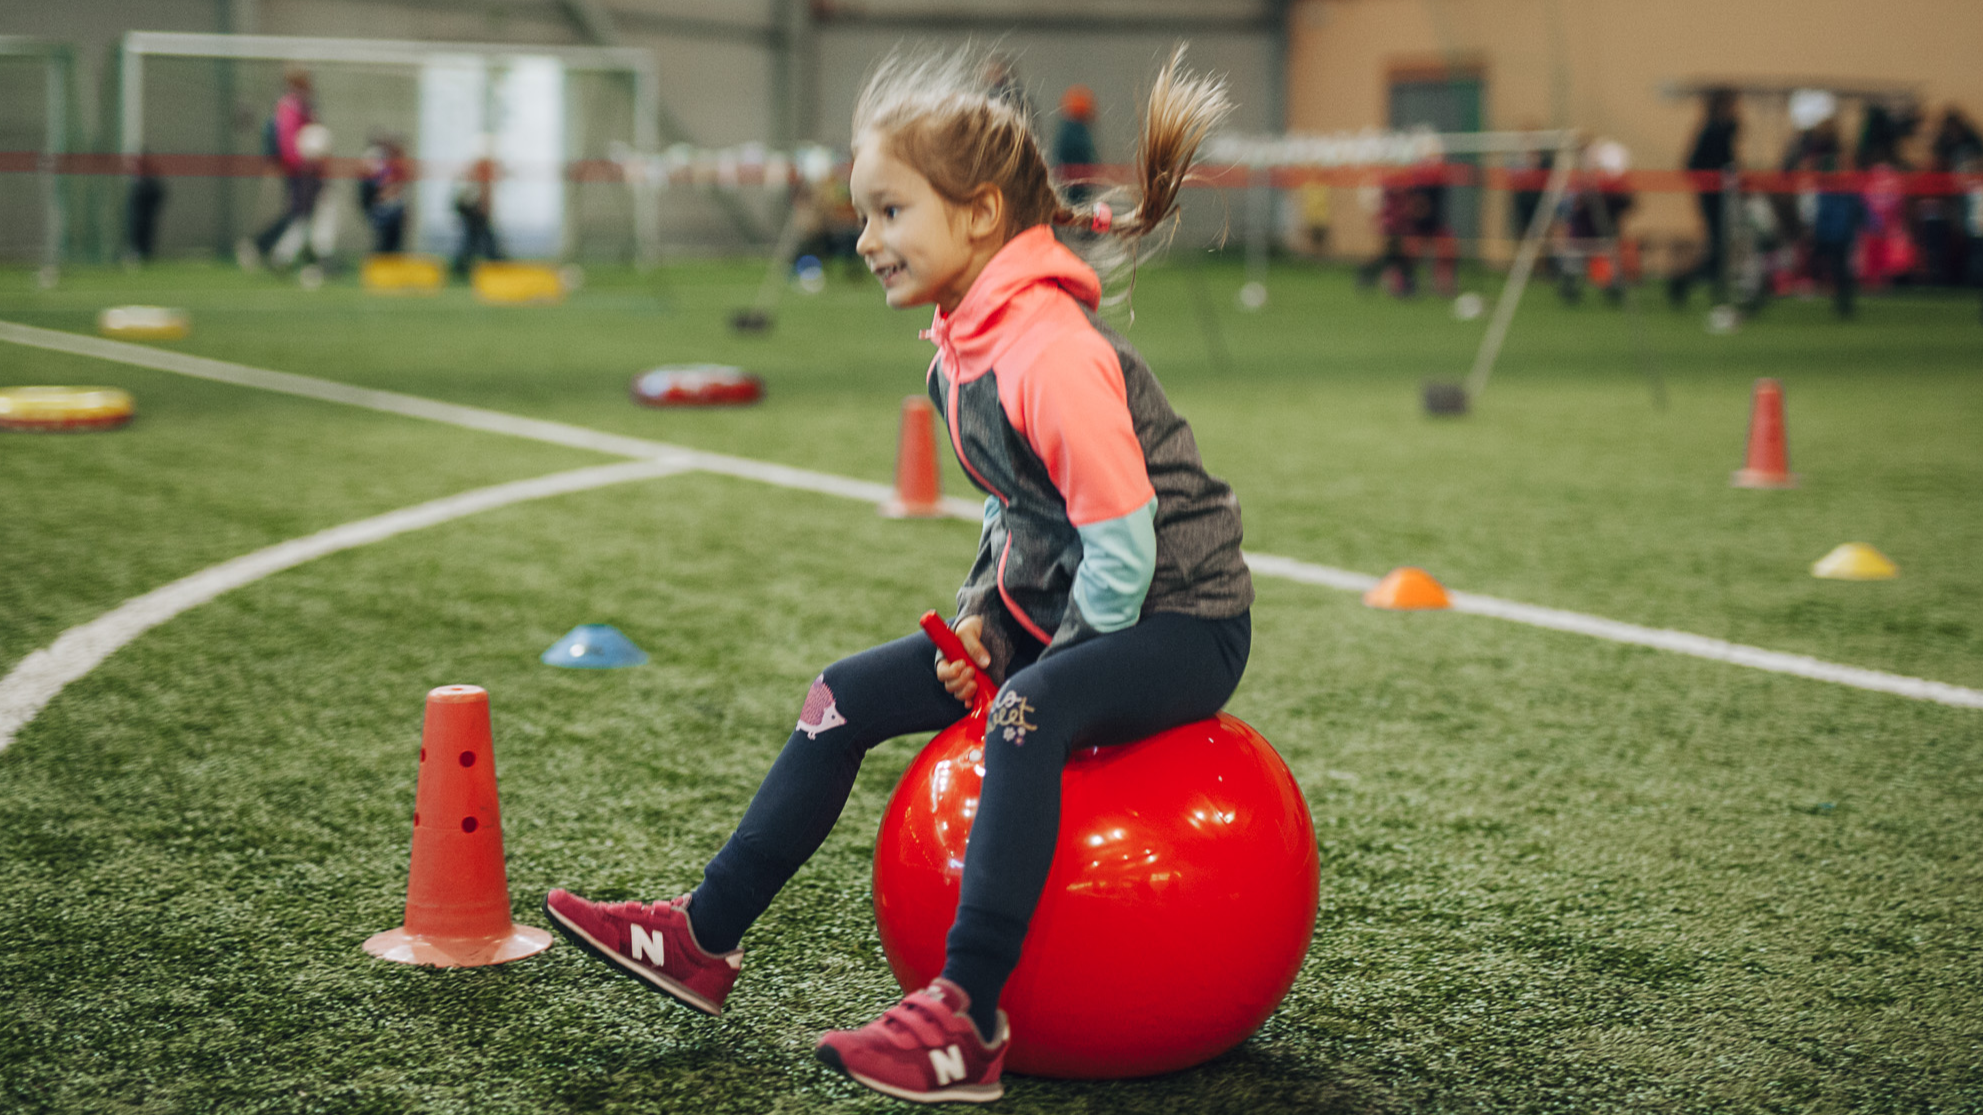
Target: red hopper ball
[[1178, 910]]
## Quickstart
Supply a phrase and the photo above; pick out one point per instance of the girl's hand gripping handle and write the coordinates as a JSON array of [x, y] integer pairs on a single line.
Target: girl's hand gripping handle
[[953, 650]]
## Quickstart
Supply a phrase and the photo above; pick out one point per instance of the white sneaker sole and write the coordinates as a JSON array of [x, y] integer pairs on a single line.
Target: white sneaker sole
[[961, 1093]]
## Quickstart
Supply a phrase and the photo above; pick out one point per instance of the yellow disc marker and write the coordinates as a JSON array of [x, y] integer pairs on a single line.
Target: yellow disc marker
[[143, 323], [402, 274], [1855, 561], [56, 409], [503, 282]]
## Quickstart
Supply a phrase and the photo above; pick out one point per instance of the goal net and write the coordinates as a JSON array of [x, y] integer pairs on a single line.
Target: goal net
[[550, 117], [35, 103]]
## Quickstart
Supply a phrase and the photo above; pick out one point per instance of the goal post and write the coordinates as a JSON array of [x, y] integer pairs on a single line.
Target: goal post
[[1381, 157], [540, 109], [36, 89]]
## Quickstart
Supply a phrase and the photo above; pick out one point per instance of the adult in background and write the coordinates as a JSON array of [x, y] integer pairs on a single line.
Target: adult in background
[[1837, 220], [146, 199], [1887, 251], [1397, 216], [474, 201], [1074, 139], [1431, 231], [1596, 244], [1791, 207], [825, 209], [382, 193], [1001, 78], [1530, 170], [1713, 151], [1945, 239], [302, 173]]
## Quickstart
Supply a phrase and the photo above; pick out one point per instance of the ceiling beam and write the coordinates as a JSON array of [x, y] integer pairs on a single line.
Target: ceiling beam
[[594, 21], [1077, 23]]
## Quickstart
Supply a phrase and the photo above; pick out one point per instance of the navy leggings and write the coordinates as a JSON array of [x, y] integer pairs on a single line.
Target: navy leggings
[[1168, 669]]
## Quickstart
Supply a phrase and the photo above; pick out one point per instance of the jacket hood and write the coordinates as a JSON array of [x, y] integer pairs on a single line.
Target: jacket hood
[[970, 337]]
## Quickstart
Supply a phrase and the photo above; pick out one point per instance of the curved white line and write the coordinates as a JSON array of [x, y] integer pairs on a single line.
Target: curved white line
[[558, 433], [36, 679]]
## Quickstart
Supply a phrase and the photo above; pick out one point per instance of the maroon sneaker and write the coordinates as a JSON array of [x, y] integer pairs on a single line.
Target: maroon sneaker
[[925, 1049], [653, 943]]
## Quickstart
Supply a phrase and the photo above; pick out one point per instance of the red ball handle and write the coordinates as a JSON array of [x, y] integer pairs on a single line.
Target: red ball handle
[[953, 650]]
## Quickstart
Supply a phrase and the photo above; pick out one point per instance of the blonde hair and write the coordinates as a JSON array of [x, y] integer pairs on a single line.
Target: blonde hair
[[941, 114]]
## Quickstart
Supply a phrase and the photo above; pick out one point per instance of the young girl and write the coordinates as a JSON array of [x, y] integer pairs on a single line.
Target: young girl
[[1108, 594]]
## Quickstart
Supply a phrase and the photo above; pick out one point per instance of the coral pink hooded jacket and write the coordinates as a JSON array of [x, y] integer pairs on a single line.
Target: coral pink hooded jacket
[[1098, 509]]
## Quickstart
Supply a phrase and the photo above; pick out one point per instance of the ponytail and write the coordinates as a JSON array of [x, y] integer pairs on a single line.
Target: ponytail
[[939, 114], [1182, 110]]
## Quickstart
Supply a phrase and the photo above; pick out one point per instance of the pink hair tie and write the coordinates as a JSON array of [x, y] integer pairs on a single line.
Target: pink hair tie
[[1102, 219]]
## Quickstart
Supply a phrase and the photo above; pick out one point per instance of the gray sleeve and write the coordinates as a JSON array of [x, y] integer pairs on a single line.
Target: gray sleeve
[[979, 594]]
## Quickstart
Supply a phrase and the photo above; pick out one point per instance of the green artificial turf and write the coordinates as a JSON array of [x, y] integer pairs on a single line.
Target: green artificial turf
[[1558, 874]]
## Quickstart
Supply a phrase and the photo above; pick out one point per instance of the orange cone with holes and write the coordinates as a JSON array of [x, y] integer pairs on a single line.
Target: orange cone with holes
[[1407, 588], [918, 489], [1768, 461], [457, 893]]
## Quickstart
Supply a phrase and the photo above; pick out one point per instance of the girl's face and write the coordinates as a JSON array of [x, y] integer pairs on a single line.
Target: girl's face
[[921, 247]]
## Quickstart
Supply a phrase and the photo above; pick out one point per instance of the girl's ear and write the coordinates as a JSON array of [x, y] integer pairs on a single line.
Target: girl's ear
[[984, 213]]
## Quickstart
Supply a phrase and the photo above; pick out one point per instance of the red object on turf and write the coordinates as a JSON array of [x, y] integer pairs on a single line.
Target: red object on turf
[[653, 943], [457, 892], [1179, 907], [696, 385], [918, 488], [1407, 588], [1768, 464], [924, 1049]]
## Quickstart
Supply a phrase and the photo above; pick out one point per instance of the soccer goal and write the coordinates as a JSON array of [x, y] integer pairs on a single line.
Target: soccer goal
[[551, 117], [1561, 190], [36, 87]]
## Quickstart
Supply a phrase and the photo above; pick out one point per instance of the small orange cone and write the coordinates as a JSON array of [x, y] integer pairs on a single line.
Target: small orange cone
[[457, 893], [1768, 465], [918, 489], [1406, 588]]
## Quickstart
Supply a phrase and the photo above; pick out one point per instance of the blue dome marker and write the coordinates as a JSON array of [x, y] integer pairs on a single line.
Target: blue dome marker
[[594, 646]]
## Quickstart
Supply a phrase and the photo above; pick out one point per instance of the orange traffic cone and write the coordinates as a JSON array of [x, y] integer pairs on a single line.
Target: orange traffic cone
[[1407, 588], [1768, 465], [918, 489], [457, 894]]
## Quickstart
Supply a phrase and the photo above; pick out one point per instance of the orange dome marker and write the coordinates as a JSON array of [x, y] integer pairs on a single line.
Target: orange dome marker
[[1407, 588], [457, 893], [918, 488]]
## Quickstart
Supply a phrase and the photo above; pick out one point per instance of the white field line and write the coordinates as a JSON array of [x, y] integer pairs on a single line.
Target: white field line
[[1659, 638], [1700, 646], [36, 679], [1678, 642], [454, 414]]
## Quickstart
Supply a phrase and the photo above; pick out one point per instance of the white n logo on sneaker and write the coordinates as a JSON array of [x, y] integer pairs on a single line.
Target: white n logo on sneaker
[[647, 943], [949, 1064]]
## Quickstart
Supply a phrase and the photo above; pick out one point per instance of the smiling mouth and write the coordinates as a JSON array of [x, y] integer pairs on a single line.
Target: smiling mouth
[[888, 272]]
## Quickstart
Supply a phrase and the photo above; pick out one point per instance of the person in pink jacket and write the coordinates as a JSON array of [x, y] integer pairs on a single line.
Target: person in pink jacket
[[302, 174], [1108, 598]]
